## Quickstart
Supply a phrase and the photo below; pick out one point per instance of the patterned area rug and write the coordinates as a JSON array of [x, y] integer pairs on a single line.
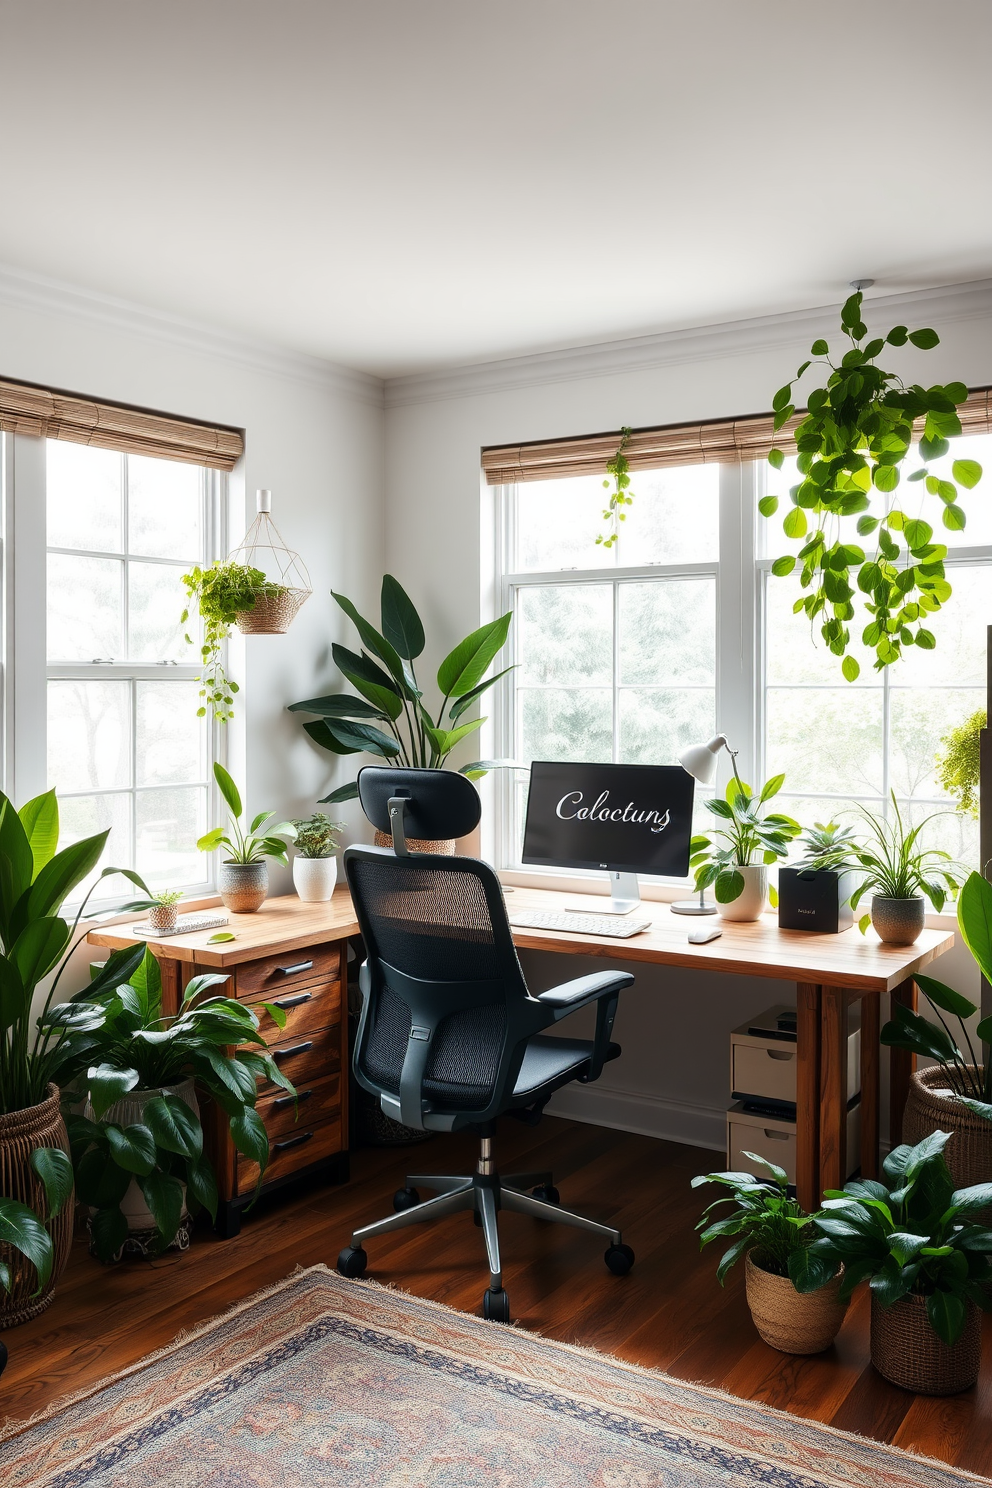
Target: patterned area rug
[[332, 1382]]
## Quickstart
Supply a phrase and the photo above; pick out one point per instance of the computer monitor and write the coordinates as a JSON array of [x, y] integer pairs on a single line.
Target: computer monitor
[[628, 819]]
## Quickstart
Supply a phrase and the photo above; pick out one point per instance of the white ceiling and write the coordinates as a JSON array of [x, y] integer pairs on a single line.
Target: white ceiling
[[407, 184]]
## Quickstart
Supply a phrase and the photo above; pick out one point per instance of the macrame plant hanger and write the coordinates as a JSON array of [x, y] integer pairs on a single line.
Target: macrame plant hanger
[[262, 547]]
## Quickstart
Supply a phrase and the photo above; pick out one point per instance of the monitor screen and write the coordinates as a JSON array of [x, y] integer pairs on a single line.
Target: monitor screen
[[630, 818]]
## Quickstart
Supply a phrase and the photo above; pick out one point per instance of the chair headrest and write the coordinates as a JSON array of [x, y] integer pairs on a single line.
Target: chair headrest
[[438, 803]]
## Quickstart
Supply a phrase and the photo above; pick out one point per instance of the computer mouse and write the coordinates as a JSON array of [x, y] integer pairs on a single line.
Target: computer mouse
[[703, 934]]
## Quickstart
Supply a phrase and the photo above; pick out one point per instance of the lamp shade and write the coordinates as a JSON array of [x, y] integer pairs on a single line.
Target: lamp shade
[[700, 759]]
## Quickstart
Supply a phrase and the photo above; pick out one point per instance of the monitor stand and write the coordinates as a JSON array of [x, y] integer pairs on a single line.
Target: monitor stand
[[625, 896]]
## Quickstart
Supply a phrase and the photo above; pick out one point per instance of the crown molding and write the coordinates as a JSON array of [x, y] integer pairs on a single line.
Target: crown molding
[[673, 348], [26, 291]]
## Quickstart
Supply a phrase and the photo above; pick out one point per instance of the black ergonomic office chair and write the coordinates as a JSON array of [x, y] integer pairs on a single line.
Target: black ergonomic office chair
[[449, 1035]]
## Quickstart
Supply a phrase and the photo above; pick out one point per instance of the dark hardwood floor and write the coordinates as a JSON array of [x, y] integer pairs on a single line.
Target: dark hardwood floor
[[669, 1313]]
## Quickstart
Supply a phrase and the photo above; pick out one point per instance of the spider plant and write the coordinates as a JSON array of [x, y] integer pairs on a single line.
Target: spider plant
[[894, 866]]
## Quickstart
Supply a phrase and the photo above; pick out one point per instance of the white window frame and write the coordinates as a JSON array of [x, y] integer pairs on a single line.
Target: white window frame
[[27, 671]]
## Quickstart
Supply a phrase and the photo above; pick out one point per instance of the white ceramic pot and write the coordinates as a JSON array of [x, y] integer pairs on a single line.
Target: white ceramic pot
[[128, 1110], [315, 878], [750, 902]]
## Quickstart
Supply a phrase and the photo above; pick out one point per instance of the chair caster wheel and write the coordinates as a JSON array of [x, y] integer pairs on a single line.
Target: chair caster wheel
[[405, 1198], [352, 1261], [619, 1259], [495, 1306], [547, 1192]]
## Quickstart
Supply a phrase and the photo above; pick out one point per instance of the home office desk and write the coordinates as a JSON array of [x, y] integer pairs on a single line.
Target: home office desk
[[829, 972]]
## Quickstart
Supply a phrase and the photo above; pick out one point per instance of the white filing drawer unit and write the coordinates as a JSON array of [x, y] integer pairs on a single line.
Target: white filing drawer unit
[[763, 1067], [775, 1141]]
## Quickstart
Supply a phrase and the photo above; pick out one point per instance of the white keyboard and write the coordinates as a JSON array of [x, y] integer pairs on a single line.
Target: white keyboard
[[186, 924], [579, 923]]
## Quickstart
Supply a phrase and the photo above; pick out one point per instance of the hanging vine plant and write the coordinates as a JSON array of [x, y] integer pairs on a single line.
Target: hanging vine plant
[[851, 445], [621, 495]]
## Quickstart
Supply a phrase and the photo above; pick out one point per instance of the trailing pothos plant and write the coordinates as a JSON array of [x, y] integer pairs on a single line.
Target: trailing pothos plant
[[744, 836], [220, 593], [390, 694], [118, 1041], [621, 496], [851, 445]]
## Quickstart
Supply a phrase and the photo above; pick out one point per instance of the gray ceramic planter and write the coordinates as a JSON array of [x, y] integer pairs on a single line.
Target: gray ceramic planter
[[243, 886], [897, 921]]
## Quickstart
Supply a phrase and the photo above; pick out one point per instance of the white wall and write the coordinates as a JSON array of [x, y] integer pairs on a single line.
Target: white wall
[[672, 1079]]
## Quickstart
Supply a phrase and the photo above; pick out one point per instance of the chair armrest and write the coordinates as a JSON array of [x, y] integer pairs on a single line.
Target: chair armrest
[[569, 996]]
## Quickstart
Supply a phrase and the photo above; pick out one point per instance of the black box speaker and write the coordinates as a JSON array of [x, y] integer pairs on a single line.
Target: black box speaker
[[815, 899]]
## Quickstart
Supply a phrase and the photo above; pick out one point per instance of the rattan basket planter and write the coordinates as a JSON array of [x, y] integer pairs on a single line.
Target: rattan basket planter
[[272, 614], [907, 1352], [444, 848], [21, 1133], [969, 1152], [790, 1321]]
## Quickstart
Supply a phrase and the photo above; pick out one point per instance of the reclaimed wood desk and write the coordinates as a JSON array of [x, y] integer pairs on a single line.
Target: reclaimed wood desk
[[298, 948]]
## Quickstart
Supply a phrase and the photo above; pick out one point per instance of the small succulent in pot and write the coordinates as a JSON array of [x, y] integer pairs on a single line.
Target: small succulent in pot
[[163, 911], [244, 878], [901, 875]]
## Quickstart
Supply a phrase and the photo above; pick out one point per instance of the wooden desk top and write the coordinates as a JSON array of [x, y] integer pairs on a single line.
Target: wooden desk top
[[760, 949]]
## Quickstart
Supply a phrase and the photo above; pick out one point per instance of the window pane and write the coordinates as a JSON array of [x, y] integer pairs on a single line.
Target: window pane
[[171, 740], [658, 723], [565, 634], [668, 631], [918, 720], [562, 724], [825, 739], [157, 599], [675, 517], [796, 653], [959, 627], [84, 816], [558, 523], [89, 735], [83, 497], [84, 608], [164, 508], [168, 825], [948, 831]]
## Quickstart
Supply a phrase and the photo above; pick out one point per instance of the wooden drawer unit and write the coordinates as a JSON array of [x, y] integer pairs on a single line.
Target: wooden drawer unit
[[317, 1100], [291, 1153], [309, 1056], [307, 1009], [271, 976]]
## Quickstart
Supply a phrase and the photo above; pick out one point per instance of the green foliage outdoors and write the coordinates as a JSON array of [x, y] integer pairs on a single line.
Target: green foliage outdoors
[[261, 839], [893, 864], [390, 694], [763, 1219], [959, 765], [621, 495], [220, 593], [118, 1040], [745, 837], [851, 444], [317, 835], [912, 1235]]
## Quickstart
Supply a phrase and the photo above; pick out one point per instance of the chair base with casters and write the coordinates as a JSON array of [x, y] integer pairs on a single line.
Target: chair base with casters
[[486, 1193]]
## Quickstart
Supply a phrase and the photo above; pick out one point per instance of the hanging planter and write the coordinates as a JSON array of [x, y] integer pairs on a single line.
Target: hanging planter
[[260, 588]]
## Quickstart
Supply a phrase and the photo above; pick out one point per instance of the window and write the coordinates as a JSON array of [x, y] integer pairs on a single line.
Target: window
[[114, 727]]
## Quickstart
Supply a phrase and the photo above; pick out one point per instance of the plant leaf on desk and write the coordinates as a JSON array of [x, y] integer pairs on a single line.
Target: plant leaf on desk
[[220, 935]]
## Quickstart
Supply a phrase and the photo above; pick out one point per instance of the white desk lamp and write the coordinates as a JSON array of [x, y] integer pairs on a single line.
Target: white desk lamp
[[700, 761]]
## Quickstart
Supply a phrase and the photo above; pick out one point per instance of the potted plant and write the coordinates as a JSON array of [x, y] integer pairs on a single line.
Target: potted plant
[[793, 1292], [225, 594], [244, 876], [959, 763], [734, 858], [24, 1232], [315, 868], [391, 695], [163, 911], [36, 943], [851, 445], [137, 1147], [815, 893], [916, 1240], [901, 875], [955, 1093]]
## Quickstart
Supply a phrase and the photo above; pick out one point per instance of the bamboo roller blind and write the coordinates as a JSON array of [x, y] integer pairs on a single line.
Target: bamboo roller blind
[[26, 409], [727, 441]]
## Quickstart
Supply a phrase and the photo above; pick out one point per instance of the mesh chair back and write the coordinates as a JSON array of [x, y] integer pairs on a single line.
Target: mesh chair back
[[441, 922]]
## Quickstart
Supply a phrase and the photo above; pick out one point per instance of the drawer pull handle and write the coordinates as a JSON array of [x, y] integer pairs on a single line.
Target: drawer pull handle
[[279, 1054], [775, 1136], [287, 1100], [772, 1053], [291, 1142], [293, 970], [291, 1002]]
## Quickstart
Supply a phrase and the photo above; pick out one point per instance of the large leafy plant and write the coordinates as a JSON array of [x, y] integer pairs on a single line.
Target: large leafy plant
[[851, 444], [120, 1040], [245, 845], [21, 1228], [744, 836], [220, 593], [390, 694], [35, 941], [912, 1235], [969, 1079], [763, 1219], [893, 864]]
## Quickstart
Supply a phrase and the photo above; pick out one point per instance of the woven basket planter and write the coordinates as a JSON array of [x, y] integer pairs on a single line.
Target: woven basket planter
[[445, 848], [272, 614], [21, 1133], [969, 1152], [790, 1321], [907, 1352]]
